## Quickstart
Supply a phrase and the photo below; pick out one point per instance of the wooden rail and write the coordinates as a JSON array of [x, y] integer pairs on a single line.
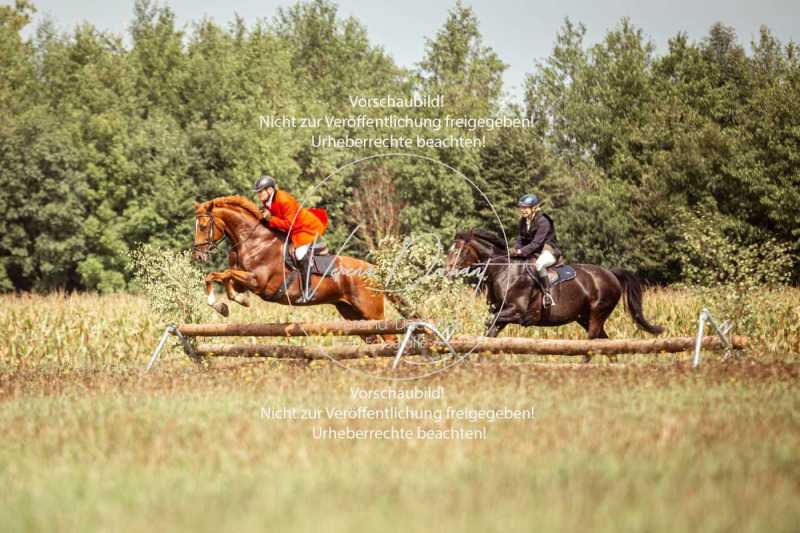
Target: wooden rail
[[483, 345], [297, 329]]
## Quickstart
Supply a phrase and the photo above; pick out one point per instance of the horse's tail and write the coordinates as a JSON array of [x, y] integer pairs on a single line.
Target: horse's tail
[[632, 291]]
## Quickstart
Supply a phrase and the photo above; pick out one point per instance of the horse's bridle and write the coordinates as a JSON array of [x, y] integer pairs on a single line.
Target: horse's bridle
[[210, 242], [461, 249]]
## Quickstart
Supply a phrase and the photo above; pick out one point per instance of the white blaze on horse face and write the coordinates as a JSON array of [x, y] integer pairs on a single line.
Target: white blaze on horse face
[[455, 263], [458, 257], [200, 231]]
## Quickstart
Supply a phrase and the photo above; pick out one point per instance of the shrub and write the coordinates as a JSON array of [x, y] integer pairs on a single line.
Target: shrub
[[411, 271], [733, 278], [172, 283]]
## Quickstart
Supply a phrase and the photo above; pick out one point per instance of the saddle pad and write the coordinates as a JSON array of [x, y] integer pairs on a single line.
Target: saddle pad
[[557, 275], [561, 274], [322, 264]]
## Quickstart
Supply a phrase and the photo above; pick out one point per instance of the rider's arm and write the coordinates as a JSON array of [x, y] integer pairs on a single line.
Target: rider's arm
[[280, 223], [287, 214]]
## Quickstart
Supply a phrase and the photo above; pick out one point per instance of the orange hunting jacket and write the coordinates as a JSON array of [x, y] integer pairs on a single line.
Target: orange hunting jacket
[[308, 224]]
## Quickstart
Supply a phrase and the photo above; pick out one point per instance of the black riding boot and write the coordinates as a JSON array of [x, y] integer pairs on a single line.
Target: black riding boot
[[304, 277], [547, 297]]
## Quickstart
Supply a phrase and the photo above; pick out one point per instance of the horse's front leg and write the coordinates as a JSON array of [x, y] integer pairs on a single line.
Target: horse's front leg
[[211, 295], [506, 316], [493, 328], [247, 279]]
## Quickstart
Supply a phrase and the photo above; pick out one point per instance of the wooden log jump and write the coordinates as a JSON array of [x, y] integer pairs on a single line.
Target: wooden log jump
[[522, 345], [297, 329], [482, 345], [434, 342]]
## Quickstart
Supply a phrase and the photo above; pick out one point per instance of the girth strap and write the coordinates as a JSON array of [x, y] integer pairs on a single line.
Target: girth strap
[[283, 287]]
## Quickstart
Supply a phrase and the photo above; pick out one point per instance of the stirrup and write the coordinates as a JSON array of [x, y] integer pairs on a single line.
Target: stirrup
[[304, 297], [547, 299]]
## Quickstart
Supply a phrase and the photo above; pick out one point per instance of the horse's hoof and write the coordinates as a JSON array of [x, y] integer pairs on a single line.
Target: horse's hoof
[[244, 301], [222, 308]]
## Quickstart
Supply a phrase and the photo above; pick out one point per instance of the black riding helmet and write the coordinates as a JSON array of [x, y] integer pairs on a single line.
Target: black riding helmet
[[264, 182], [528, 200]]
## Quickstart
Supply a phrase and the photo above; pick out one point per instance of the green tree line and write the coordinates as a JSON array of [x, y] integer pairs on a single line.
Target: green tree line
[[106, 142]]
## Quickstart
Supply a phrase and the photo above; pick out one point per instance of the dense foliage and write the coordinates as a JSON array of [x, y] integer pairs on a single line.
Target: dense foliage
[[105, 143]]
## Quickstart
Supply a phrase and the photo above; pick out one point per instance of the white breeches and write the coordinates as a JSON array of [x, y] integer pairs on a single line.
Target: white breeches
[[545, 259], [300, 251]]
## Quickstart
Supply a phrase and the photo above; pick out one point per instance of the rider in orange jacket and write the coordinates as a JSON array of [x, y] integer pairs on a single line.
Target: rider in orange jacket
[[303, 226]]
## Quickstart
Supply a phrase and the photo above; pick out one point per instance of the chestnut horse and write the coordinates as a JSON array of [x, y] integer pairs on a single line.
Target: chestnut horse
[[256, 264], [515, 298]]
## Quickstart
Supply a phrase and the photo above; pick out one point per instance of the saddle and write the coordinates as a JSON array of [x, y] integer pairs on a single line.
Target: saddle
[[322, 262], [557, 273]]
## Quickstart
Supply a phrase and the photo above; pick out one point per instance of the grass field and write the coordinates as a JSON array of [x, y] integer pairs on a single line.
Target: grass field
[[90, 443]]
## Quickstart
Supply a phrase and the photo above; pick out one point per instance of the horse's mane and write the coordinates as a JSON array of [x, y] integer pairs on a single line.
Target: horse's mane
[[237, 201], [484, 235]]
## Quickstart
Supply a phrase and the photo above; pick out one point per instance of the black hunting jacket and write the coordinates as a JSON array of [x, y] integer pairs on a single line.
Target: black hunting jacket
[[541, 231]]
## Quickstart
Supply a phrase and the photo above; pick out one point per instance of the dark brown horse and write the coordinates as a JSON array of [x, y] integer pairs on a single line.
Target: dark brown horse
[[514, 297], [256, 260]]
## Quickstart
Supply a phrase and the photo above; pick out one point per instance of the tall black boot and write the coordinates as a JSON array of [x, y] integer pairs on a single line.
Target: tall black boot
[[547, 297], [304, 277]]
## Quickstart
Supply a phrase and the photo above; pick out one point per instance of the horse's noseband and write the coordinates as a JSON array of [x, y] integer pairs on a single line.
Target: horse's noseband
[[210, 242]]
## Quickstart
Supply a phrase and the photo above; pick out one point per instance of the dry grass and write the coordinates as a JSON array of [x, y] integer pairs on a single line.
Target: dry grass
[[118, 331], [89, 443]]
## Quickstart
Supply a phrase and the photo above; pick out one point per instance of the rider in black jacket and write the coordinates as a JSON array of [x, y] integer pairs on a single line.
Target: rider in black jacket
[[537, 236]]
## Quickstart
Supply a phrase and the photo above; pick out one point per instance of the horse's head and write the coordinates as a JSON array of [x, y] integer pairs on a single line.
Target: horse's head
[[471, 247], [208, 231], [462, 253], [232, 217]]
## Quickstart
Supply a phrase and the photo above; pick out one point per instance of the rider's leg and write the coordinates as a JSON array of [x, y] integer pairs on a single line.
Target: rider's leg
[[545, 259], [302, 255]]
